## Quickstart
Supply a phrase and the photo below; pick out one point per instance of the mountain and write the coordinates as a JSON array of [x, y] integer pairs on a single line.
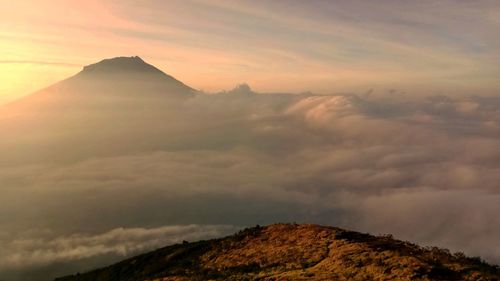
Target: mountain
[[120, 78], [115, 105], [296, 252], [125, 106], [131, 71]]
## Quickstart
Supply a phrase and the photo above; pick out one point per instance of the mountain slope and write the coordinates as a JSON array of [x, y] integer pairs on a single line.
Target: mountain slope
[[296, 252]]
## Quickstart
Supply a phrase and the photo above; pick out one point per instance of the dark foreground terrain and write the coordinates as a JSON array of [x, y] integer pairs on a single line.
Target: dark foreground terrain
[[296, 252]]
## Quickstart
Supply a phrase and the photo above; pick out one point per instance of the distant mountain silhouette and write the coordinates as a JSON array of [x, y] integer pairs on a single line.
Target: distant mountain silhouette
[[128, 75], [295, 252], [116, 80], [120, 77], [129, 70], [112, 105]]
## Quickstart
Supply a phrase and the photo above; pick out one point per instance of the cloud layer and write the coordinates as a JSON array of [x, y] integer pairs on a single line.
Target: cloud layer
[[44, 250], [101, 177]]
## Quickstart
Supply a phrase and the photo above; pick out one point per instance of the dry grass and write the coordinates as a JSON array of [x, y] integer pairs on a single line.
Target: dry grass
[[298, 252]]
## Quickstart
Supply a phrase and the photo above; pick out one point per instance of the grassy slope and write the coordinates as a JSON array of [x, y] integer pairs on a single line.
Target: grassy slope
[[296, 252]]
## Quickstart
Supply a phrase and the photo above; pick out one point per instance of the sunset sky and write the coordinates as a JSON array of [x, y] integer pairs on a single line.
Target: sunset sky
[[420, 47], [399, 131]]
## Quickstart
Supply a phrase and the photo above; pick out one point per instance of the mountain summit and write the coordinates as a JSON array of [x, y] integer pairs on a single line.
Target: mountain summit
[[120, 65], [296, 252]]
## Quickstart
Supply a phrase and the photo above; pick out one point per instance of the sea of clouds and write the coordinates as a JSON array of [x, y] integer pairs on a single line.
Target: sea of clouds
[[90, 184]]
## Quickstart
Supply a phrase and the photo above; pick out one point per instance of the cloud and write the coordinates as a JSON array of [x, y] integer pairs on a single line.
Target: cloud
[[452, 219], [39, 251]]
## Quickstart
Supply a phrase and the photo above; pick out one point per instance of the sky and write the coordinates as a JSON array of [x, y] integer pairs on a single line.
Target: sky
[[416, 47]]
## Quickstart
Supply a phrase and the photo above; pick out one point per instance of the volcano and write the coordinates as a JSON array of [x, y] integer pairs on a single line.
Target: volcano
[[133, 72], [120, 103], [121, 78]]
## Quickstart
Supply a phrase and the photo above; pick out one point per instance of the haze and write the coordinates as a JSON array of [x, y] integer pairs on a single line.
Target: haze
[[381, 118]]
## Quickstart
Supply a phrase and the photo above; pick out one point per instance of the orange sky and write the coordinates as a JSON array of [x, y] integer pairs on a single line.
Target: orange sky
[[424, 47]]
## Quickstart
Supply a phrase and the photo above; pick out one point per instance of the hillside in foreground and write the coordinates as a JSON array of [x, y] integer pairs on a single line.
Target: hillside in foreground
[[296, 252]]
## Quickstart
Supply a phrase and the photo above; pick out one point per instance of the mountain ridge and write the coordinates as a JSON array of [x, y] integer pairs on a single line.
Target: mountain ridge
[[296, 252]]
